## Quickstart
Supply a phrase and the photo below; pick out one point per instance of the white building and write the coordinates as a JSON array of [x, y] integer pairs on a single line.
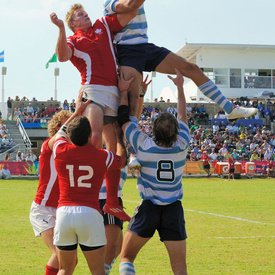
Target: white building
[[238, 70]]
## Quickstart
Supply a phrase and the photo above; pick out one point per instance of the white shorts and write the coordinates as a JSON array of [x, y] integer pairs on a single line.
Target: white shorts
[[42, 218], [79, 224], [106, 96]]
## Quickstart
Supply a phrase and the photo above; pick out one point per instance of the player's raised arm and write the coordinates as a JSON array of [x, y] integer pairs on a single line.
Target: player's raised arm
[[181, 106], [126, 10], [63, 52], [123, 6]]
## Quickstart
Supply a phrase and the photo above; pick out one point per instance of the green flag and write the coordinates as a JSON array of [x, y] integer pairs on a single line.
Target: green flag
[[53, 59]]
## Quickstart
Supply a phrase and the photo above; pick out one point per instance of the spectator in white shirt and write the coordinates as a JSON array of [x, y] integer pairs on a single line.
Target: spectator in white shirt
[[215, 127], [213, 155]]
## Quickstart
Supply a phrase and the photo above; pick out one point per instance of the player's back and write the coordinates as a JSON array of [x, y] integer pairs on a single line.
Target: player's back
[[80, 172]]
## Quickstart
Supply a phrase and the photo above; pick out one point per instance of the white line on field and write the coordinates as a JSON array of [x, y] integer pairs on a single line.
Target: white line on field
[[217, 215], [245, 237], [228, 217]]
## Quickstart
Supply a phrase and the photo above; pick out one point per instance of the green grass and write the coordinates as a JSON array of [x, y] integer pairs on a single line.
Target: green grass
[[230, 227]]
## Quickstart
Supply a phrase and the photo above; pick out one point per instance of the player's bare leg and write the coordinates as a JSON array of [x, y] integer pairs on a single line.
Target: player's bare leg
[[206, 86]]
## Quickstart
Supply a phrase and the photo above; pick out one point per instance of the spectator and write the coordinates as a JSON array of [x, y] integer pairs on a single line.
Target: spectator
[[30, 109], [220, 158], [9, 108], [66, 105], [19, 157], [254, 156], [213, 156], [215, 127], [5, 173], [7, 157], [161, 99]]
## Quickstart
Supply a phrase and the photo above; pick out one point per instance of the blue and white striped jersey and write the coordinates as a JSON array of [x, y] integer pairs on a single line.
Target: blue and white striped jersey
[[161, 168], [123, 177], [136, 30]]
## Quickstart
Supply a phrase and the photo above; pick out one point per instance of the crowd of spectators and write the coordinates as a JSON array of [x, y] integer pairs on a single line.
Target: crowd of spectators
[[245, 143], [37, 112]]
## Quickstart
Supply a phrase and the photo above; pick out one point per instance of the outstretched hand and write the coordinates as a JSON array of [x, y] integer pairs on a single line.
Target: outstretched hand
[[80, 105], [144, 84], [123, 84], [58, 22], [178, 80]]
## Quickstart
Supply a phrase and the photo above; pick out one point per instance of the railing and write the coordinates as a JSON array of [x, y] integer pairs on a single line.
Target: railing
[[24, 134], [8, 151]]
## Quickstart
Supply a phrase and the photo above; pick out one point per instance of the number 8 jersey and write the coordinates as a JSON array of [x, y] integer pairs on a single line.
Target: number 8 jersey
[[80, 171], [161, 168]]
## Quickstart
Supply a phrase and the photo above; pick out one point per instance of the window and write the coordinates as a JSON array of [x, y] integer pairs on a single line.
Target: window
[[235, 78], [221, 77]]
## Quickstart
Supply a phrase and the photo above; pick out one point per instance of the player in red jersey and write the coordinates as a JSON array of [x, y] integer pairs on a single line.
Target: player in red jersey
[[43, 209], [231, 167], [91, 51], [81, 168], [205, 162], [270, 168]]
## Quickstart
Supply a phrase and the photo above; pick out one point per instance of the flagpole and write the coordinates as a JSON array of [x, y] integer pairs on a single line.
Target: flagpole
[[4, 72], [56, 74]]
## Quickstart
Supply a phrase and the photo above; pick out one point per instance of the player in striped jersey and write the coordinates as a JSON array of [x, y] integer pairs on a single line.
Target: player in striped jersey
[[136, 55], [162, 159], [43, 208]]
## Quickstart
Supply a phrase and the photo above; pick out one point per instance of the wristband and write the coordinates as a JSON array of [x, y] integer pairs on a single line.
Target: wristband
[[64, 128], [123, 114]]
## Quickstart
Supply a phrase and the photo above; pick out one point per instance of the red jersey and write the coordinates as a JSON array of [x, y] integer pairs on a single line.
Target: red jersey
[[81, 171], [48, 189], [205, 159], [270, 165], [231, 163], [93, 52]]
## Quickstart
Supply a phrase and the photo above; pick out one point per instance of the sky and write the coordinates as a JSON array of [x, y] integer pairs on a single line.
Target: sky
[[28, 37]]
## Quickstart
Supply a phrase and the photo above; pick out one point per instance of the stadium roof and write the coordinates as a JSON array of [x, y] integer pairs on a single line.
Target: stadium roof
[[190, 50]]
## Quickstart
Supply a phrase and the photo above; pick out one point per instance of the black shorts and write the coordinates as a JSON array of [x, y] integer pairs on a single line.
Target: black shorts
[[143, 57], [168, 220], [206, 166], [110, 219], [231, 170]]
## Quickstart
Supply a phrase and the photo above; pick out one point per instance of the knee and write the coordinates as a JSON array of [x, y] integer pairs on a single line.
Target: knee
[[96, 137]]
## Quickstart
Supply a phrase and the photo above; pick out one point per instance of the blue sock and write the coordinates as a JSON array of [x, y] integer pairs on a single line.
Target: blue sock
[[210, 90], [126, 268], [107, 269]]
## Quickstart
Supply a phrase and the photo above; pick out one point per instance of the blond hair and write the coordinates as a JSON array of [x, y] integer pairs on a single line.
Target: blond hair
[[70, 14], [56, 121]]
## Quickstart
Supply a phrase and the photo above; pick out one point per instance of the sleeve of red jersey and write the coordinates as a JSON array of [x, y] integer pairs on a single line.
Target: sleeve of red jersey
[[59, 145], [113, 161], [113, 23]]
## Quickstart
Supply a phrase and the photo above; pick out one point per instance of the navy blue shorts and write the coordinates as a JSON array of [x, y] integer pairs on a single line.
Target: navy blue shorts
[[142, 57], [110, 219], [168, 220], [231, 170]]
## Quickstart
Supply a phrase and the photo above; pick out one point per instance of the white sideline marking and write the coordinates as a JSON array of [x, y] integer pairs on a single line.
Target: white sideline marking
[[229, 217], [245, 237], [217, 215]]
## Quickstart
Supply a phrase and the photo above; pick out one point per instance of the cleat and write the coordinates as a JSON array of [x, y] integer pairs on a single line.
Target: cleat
[[116, 211], [133, 162], [240, 112]]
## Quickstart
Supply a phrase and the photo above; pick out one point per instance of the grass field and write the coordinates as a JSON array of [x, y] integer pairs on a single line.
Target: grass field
[[230, 227]]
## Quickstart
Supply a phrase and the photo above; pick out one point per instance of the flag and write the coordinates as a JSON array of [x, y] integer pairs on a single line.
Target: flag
[[2, 56], [53, 59]]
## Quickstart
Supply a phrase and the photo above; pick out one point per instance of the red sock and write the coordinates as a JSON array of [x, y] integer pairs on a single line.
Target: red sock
[[51, 270], [112, 178]]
